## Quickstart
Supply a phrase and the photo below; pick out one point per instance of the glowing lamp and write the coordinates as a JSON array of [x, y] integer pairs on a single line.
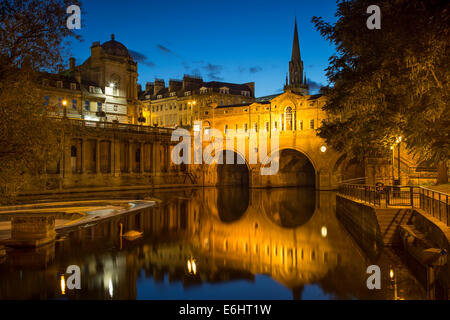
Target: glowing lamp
[[324, 232]]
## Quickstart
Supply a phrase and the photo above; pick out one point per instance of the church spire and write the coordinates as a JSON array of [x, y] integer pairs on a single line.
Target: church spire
[[296, 81], [295, 45]]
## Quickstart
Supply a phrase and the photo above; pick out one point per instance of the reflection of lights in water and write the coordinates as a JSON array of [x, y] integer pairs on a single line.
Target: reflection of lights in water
[[324, 231], [63, 285], [189, 266], [110, 287], [192, 266], [391, 273]]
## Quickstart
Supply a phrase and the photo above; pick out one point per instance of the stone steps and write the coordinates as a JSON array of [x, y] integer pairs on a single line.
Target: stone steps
[[389, 221]]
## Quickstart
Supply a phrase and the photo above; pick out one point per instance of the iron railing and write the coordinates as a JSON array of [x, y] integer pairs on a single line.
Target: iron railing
[[436, 204], [432, 202]]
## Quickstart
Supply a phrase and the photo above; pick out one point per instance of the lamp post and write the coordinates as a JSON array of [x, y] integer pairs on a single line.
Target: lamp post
[[398, 140], [64, 103], [191, 105]]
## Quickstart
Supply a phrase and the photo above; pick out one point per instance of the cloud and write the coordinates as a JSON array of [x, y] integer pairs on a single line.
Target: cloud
[[314, 86], [186, 65], [141, 58], [255, 69], [214, 76], [163, 49], [196, 72], [214, 71]]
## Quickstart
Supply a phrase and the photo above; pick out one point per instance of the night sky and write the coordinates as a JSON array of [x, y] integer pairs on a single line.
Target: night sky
[[233, 41]]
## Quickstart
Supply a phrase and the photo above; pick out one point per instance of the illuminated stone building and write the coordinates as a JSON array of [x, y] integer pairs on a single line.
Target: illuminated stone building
[[181, 102], [104, 87]]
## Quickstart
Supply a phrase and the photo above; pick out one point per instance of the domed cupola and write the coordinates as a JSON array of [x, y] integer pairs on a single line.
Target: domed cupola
[[115, 48]]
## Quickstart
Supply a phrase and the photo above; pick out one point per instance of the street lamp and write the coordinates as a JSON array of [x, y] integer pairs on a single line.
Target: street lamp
[[398, 140], [64, 103], [191, 105]]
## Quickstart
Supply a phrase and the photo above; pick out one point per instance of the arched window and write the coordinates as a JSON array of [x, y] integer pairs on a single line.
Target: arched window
[[288, 118]]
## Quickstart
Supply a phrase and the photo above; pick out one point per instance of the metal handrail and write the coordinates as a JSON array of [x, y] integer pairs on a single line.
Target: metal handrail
[[433, 202]]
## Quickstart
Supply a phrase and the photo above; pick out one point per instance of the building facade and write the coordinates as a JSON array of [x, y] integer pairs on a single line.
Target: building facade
[[183, 101], [103, 88]]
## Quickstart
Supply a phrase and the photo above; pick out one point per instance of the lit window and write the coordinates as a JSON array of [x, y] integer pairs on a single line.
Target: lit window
[[172, 94], [159, 96], [59, 84], [91, 89], [187, 93], [73, 86]]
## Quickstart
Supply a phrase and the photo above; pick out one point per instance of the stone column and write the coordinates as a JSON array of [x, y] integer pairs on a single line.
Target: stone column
[[155, 155], [67, 158], [141, 167], [97, 156], [130, 156], [83, 155], [111, 156], [167, 157], [116, 156]]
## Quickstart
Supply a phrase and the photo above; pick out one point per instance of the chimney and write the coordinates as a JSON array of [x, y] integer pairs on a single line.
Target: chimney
[[71, 63], [175, 85], [251, 85], [159, 85]]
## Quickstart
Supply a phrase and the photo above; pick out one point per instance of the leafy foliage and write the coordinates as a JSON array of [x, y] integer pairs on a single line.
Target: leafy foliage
[[389, 82], [31, 39]]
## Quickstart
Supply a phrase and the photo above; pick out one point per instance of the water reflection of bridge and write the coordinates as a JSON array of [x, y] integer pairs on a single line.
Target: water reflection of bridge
[[291, 235]]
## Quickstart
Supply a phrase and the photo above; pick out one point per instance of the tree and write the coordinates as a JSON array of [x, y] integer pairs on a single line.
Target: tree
[[389, 82], [33, 36]]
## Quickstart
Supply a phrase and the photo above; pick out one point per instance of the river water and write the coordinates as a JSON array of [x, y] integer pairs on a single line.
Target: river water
[[227, 243]]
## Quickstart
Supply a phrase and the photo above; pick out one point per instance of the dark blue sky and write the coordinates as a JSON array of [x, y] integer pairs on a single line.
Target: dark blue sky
[[233, 41]]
